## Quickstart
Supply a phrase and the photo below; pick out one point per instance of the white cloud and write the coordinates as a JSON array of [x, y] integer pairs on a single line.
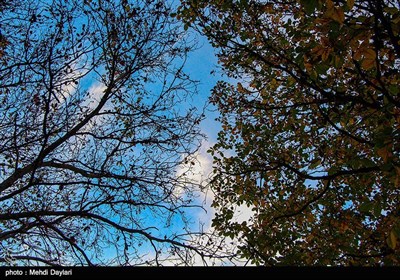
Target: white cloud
[[200, 174], [70, 81], [96, 92], [195, 169]]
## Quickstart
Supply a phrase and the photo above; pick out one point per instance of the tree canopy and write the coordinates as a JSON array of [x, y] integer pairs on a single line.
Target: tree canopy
[[310, 127], [91, 137]]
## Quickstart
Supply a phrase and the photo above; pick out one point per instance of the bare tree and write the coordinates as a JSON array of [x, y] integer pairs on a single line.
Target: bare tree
[[92, 134]]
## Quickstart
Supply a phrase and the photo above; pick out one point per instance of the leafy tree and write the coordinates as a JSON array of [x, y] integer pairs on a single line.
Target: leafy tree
[[312, 127], [91, 137]]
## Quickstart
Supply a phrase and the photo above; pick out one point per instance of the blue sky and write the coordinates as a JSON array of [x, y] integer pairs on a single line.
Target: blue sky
[[201, 62]]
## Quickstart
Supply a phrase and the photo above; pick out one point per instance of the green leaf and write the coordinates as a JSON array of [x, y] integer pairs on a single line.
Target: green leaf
[[377, 210], [315, 163], [309, 6], [396, 230], [366, 207], [321, 68]]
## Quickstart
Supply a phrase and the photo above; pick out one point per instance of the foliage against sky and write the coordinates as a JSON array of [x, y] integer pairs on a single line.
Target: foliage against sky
[[313, 126]]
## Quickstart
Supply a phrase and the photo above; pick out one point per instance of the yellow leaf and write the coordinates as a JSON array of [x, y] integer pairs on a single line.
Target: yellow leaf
[[336, 61], [369, 54], [397, 170], [308, 66], [368, 64], [240, 88], [325, 54], [237, 18], [338, 15], [253, 84], [350, 4], [383, 153], [392, 240], [357, 55], [329, 4], [274, 84], [310, 218], [318, 50], [343, 227], [369, 59]]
